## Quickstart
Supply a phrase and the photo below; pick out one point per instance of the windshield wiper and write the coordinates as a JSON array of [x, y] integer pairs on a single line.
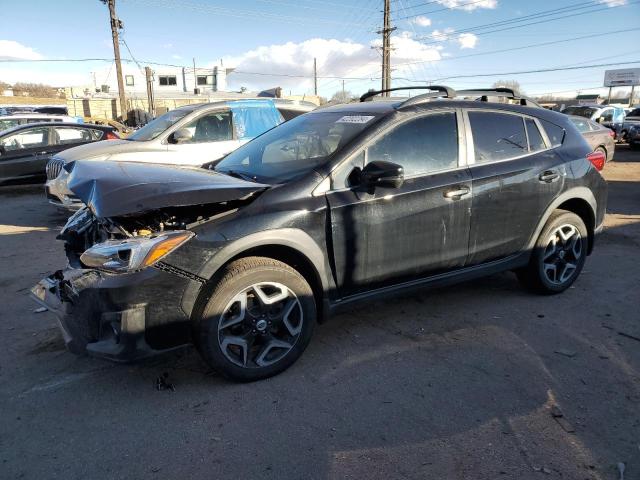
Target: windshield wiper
[[241, 176]]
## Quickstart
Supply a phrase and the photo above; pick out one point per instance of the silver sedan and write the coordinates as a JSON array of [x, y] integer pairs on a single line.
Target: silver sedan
[[598, 137]]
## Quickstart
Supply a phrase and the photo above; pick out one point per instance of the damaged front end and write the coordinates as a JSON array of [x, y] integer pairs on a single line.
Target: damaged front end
[[119, 296]]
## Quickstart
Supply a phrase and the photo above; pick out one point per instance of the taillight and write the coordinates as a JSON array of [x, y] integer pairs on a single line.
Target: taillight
[[598, 159], [111, 136]]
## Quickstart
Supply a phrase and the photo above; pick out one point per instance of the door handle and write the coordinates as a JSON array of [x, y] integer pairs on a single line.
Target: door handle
[[457, 193], [549, 176]]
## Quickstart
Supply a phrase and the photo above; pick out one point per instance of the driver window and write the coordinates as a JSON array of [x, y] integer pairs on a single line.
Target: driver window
[[497, 136], [212, 127], [31, 138], [423, 145], [607, 116]]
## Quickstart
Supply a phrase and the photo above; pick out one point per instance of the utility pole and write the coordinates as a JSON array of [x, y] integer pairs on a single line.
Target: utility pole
[[315, 77], [149, 75], [116, 24], [195, 77], [386, 47]]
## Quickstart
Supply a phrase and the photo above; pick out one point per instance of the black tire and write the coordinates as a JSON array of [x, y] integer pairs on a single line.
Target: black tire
[[210, 333], [533, 276]]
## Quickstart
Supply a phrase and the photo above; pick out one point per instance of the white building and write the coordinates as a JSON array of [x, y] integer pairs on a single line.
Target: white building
[[166, 80]]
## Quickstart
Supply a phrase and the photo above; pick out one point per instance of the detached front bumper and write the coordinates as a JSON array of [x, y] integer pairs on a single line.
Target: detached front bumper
[[122, 317]]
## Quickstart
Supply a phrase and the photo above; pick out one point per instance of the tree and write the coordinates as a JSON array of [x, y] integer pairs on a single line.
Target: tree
[[512, 84], [4, 85], [34, 90], [342, 97]]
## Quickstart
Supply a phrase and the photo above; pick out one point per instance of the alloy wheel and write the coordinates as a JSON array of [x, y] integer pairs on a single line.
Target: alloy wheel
[[260, 325], [562, 254]]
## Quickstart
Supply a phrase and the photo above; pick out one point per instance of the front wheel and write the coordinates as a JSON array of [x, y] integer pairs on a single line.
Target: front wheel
[[559, 254], [258, 319]]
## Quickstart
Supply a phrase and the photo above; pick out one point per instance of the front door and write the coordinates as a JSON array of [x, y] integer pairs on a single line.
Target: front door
[[212, 138], [21, 155], [390, 235]]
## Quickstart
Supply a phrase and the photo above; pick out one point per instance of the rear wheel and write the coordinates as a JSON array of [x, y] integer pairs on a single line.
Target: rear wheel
[[559, 254], [257, 321]]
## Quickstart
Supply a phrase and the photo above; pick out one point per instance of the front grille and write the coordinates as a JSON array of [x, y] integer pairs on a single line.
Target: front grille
[[54, 167]]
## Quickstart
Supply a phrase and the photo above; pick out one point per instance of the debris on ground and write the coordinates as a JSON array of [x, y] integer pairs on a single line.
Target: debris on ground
[[163, 384], [628, 335], [558, 416], [40, 310], [566, 353]]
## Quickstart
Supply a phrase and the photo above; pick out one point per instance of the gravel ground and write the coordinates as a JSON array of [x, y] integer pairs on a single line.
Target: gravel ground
[[478, 381]]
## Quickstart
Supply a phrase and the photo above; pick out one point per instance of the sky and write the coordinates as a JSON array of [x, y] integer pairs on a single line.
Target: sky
[[460, 43]]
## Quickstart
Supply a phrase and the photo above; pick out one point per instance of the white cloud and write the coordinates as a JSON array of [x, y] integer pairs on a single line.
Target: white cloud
[[335, 58], [469, 5], [421, 21], [176, 56], [467, 40], [10, 50], [614, 3]]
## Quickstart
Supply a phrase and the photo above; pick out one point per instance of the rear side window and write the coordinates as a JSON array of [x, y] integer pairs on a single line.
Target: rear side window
[[71, 135], [497, 136], [554, 132], [423, 145], [536, 142]]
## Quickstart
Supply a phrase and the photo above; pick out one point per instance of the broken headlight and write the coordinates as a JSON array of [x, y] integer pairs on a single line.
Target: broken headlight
[[133, 253]]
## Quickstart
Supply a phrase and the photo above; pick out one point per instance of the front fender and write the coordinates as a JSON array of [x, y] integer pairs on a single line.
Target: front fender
[[292, 238]]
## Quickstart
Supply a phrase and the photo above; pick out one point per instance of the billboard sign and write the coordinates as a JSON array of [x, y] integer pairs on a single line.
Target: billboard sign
[[625, 77]]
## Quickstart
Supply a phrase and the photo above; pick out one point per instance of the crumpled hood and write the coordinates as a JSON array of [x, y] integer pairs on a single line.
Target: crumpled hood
[[103, 150], [113, 189]]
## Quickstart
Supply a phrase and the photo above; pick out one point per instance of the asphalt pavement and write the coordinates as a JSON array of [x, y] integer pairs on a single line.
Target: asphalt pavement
[[477, 381]]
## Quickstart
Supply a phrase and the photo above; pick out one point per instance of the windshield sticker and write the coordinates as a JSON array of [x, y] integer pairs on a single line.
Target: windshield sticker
[[355, 119]]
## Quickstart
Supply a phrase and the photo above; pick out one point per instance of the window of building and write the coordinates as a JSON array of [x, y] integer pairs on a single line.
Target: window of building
[[205, 79], [129, 80], [167, 80], [423, 145], [497, 136]]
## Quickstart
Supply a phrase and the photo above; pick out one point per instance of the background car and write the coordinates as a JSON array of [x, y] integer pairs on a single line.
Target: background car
[[631, 128], [610, 117], [26, 149], [194, 135], [10, 121], [599, 138]]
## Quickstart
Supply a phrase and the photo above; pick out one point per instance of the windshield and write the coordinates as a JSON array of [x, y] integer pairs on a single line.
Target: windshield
[[580, 111], [155, 127], [295, 147]]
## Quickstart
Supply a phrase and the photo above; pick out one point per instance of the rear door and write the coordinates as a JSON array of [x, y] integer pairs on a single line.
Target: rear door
[[65, 137], [390, 235], [19, 153], [516, 174]]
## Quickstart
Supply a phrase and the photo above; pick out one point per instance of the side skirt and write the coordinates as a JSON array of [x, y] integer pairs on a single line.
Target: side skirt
[[457, 276]]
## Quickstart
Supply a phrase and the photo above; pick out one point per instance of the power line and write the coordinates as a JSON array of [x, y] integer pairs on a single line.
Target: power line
[[534, 45], [520, 19], [456, 7]]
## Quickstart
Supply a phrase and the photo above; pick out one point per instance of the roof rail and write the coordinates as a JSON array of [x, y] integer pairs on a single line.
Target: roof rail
[[502, 92], [448, 92]]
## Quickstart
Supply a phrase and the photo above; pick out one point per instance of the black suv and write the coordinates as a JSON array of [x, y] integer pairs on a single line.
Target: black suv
[[344, 204]]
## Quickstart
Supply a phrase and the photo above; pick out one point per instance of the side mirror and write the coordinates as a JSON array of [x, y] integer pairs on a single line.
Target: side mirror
[[181, 135], [382, 174]]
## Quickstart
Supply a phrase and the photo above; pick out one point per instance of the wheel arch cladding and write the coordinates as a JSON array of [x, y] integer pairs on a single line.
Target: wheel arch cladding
[[579, 201], [290, 246]]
